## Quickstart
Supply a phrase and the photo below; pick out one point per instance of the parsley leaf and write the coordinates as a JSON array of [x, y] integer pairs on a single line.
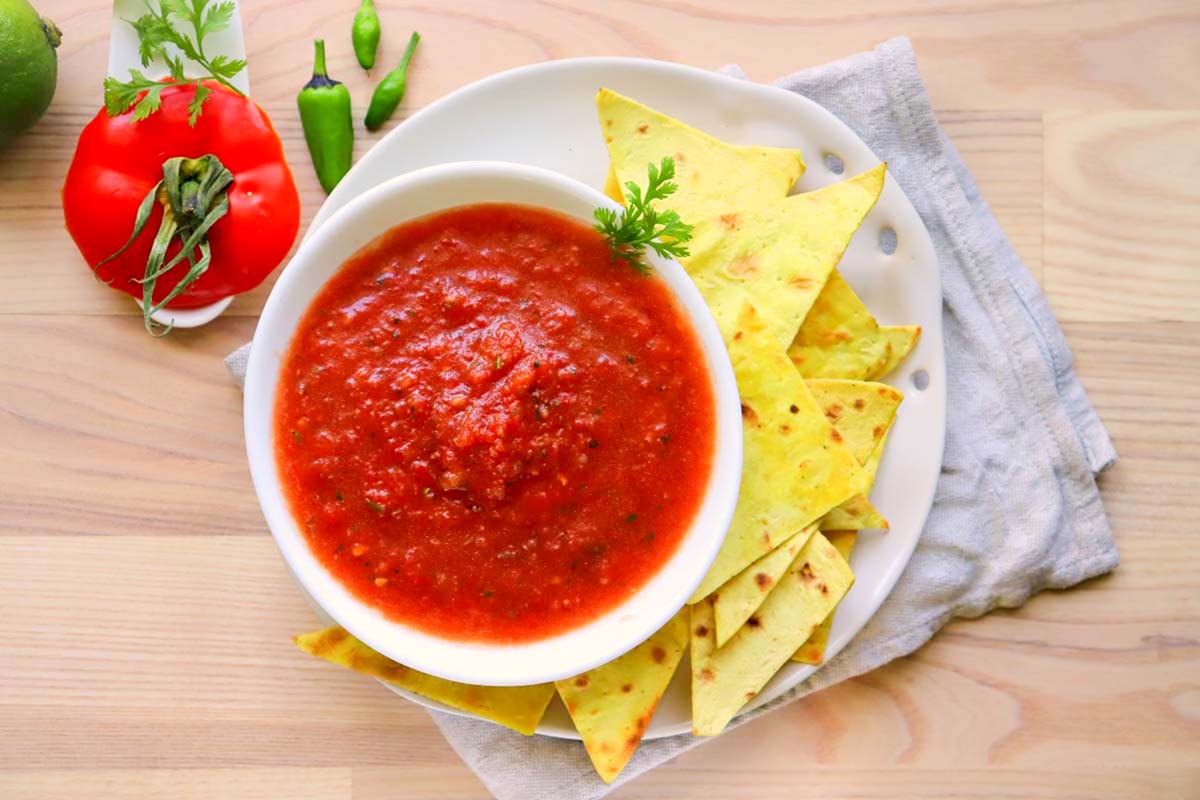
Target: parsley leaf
[[639, 225], [162, 28]]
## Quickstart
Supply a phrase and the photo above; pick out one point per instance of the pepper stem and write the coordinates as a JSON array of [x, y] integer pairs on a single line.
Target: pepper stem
[[319, 59], [193, 197], [408, 52]]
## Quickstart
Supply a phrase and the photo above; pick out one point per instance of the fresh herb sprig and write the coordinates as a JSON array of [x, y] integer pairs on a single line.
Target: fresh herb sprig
[[163, 25], [639, 225]]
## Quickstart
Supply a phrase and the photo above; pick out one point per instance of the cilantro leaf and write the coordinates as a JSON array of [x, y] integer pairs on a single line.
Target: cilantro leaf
[[639, 225], [162, 37]]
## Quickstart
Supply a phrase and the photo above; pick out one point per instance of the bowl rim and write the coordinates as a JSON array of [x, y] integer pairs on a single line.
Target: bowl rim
[[483, 663]]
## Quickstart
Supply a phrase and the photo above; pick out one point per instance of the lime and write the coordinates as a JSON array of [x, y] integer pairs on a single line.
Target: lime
[[28, 66]]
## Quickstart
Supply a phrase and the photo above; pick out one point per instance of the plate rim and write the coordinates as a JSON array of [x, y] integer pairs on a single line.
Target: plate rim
[[343, 193]]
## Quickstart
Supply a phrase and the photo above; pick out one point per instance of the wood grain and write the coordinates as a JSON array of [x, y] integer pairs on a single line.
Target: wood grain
[[146, 614], [1121, 199]]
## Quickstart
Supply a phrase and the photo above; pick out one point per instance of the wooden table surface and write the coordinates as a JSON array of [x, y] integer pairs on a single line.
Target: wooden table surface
[[145, 615]]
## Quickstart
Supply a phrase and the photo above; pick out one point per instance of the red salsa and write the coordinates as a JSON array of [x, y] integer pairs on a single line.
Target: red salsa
[[489, 430]]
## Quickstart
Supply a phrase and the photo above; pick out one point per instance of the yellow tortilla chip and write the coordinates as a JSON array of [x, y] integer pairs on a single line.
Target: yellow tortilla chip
[[740, 596], [517, 707], [797, 469], [899, 341], [862, 411], [612, 705], [778, 255], [813, 651], [839, 338], [724, 679], [712, 176], [858, 513]]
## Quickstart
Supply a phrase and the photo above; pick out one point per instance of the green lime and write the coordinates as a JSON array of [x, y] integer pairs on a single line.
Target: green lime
[[28, 66]]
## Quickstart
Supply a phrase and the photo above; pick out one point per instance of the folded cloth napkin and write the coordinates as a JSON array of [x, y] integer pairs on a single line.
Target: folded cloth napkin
[[1016, 509]]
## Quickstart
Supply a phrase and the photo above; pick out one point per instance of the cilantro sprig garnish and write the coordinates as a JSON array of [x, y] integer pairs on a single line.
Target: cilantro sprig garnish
[[639, 225], [162, 26]]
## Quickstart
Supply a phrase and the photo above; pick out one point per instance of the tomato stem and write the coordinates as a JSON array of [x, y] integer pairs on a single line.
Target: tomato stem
[[193, 197]]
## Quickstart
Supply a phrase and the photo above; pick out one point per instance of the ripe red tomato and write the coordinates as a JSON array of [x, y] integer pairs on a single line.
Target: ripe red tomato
[[118, 161]]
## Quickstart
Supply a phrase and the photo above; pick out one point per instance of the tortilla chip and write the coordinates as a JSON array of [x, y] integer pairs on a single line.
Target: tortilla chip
[[779, 254], [612, 705], [813, 651], [517, 707], [900, 340], [862, 411], [724, 679], [858, 513], [796, 470], [739, 597], [839, 338], [712, 176], [787, 161]]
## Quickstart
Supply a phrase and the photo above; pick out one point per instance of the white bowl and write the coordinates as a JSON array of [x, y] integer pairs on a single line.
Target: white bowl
[[391, 203]]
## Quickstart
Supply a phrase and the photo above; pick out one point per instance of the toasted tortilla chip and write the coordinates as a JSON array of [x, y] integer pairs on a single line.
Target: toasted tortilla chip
[[839, 338], [724, 679], [779, 254], [900, 340], [813, 651], [858, 513], [517, 707], [787, 161], [612, 704], [862, 411], [797, 469], [713, 176], [739, 597]]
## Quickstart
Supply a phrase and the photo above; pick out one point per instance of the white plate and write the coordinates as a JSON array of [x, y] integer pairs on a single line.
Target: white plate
[[544, 115]]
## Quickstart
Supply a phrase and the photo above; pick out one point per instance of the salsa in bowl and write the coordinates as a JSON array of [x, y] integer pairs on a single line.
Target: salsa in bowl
[[487, 449]]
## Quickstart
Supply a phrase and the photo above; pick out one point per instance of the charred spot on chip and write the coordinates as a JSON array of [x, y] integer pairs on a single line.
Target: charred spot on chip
[[834, 412], [751, 695], [801, 281], [702, 631], [581, 681], [328, 641], [643, 128], [707, 674], [743, 267], [785, 428], [795, 409], [822, 588], [749, 414], [763, 581], [627, 688], [833, 434], [878, 431], [737, 337], [730, 220], [806, 574], [754, 622], [659, 655], [859, 404]]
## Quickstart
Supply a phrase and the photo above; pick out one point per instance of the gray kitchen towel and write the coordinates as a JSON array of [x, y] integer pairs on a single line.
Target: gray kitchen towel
[[1016, 509]]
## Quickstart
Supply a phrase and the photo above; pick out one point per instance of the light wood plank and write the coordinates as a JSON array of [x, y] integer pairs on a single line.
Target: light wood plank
[[1012, 54], [1121, 240], [295, 783], [105, 431]]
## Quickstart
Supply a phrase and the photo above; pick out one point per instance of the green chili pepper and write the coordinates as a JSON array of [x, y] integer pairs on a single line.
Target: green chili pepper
[[328, 123], [364, 34], [390, 90]]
